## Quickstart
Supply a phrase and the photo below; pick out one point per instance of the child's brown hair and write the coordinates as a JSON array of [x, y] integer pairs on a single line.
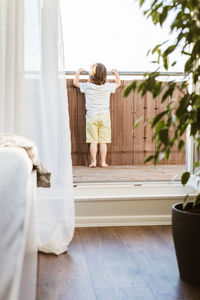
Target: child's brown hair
[[97, 74]]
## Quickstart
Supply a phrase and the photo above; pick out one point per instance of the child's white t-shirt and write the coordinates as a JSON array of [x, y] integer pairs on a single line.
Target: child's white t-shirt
[[97, 97]]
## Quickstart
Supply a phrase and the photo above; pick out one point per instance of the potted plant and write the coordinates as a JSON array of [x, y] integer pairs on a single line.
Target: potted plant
[[171, 124]]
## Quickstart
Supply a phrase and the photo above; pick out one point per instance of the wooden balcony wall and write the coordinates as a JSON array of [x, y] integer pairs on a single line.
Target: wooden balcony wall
[[127, 147]]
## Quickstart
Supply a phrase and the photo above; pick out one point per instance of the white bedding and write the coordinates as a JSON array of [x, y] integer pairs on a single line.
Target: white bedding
[[15, 172], [14, 140]]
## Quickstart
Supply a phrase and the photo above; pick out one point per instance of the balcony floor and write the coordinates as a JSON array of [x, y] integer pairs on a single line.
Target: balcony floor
[[127, 173]]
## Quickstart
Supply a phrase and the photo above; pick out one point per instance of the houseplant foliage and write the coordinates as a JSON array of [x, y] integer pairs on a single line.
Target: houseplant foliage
[[170, 125]]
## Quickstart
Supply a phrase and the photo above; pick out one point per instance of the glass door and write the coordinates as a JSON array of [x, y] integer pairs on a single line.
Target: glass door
[[193, 152]]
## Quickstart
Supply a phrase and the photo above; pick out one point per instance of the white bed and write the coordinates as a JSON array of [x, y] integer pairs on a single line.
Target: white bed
[[18, 237]]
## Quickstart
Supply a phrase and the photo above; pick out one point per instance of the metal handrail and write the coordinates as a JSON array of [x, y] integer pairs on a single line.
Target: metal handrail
[[131, 73]]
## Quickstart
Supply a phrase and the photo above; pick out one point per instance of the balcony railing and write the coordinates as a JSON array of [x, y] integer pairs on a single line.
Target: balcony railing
[[131, 73], [128, 147]]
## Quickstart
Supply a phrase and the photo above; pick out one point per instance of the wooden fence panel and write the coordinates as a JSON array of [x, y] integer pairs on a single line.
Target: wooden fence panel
[[128, 120], [159, 108], [181, 155], [149, 112], [139, 134], [128, 147], [73, 104], [117, 123]]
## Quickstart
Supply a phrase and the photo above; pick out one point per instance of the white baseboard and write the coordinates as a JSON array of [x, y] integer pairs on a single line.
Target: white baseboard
[[96, 221], [126, 204]]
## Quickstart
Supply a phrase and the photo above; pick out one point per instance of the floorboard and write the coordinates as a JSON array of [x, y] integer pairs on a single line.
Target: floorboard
[[119, 263], [128, 173]]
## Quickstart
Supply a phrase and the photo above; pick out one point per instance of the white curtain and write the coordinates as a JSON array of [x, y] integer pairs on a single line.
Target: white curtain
[[33, 103]]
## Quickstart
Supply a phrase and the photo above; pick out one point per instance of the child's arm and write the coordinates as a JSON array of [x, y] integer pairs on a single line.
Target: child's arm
[[76, 79], [117, 79]]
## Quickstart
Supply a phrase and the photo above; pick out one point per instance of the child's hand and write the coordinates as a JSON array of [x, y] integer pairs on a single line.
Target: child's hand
[[80, 70], [76, 79], [117, 79], [114, 71]]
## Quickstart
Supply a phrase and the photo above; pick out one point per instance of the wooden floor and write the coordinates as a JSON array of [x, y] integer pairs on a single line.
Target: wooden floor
[[115, 263], [128, 173]]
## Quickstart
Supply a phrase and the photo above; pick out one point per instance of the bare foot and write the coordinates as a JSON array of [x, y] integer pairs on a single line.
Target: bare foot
[[104, 165], [92, 165]]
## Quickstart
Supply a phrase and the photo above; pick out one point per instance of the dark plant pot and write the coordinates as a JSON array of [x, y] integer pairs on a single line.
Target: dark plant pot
[[186, 235]]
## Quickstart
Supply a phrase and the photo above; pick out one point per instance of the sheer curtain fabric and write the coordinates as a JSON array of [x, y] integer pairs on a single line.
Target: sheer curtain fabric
[[33, 103]]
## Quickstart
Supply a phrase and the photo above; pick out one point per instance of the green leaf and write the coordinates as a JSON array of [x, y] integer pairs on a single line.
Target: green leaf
[[142, 86], [155, 159], [157, 89], [198, 118], [169, 50], [146, 11], [169, 91], [137, 123], [194, 128], [195, 77], [165, 62], [141, 2], [188, 65], [198, 140], [155, 49], [185, 177], [181, 145], [164, 13], [157, 118], [174, 63], [155, 15], [184, 85], [129, 88], [163, 136], [197, 200], [148, 158], [167, 153], [182, 128], [160, 125], [196, 164], [183, 104]]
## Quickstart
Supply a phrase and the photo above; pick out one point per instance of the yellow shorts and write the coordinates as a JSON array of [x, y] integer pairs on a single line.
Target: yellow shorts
[[98, 129]]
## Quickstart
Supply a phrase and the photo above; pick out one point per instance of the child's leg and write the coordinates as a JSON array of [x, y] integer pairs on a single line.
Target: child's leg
[[103, 153], [93, 153]]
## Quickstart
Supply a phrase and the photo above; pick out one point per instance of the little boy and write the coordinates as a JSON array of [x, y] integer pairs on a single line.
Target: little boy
[[97, 93]]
